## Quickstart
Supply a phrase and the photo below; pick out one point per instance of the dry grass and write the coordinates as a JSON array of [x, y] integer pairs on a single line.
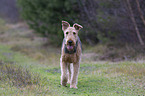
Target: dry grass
[[17, 76], [134, 71], [117, 52], [21, 39]]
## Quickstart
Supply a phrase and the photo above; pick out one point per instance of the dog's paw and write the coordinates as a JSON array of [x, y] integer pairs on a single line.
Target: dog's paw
[[63, 83], [73, 86]]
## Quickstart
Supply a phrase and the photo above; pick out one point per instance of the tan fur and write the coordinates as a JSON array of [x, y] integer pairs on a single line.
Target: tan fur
[[68, 76]]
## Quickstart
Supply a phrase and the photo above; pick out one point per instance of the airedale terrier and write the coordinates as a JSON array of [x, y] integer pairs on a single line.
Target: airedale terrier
[[70, 54]]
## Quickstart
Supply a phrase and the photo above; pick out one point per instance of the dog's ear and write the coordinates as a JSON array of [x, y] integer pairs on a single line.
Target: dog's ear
[[77, 26], [65, 25]]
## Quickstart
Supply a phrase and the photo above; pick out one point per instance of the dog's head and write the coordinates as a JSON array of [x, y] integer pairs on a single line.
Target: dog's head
[[70, 34]]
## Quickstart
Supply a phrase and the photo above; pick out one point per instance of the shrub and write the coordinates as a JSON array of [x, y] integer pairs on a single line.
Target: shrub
[[45, 16], [17, 76]]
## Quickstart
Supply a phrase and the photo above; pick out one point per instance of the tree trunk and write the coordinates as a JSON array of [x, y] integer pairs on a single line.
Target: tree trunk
[[140, 12], [134, 23]]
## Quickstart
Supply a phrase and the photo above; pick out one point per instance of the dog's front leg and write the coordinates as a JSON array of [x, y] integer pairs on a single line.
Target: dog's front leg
[[63, 73], [76, 67], [69, 73]]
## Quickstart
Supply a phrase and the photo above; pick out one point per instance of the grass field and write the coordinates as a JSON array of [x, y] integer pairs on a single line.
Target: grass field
[[28, 68]]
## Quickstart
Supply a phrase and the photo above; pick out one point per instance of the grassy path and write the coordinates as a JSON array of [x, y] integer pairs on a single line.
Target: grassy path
[[96, 79]]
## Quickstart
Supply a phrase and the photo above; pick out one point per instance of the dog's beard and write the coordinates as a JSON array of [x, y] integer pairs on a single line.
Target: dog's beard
[[70, 47]]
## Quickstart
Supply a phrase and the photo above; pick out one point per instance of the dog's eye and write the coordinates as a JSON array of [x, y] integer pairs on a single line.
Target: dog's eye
[[74, 33], [66, 32]]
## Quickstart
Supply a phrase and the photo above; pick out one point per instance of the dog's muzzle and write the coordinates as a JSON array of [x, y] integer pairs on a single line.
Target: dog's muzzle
[[70, 45], [70, 48]]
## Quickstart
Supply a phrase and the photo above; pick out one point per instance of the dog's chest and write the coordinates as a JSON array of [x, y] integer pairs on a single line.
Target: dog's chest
[[70, 58]]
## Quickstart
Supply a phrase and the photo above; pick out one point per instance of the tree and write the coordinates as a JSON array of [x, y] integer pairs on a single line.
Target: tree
[[45, 16], [140, 12], [134, 23]]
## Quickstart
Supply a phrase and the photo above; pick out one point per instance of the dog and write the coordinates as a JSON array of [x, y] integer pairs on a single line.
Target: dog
[[70, 54]]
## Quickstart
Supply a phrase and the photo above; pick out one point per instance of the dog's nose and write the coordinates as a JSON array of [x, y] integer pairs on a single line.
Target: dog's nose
[[70, 42]]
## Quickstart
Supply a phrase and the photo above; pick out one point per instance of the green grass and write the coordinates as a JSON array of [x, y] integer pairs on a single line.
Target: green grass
[[122, 78]]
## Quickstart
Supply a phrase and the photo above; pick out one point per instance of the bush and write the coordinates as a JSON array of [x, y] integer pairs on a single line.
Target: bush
[[45, 16], [17, 76]]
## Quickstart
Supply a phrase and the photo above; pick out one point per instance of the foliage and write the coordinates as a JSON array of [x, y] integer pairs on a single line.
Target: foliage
[[102, 21], [45, 16]]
